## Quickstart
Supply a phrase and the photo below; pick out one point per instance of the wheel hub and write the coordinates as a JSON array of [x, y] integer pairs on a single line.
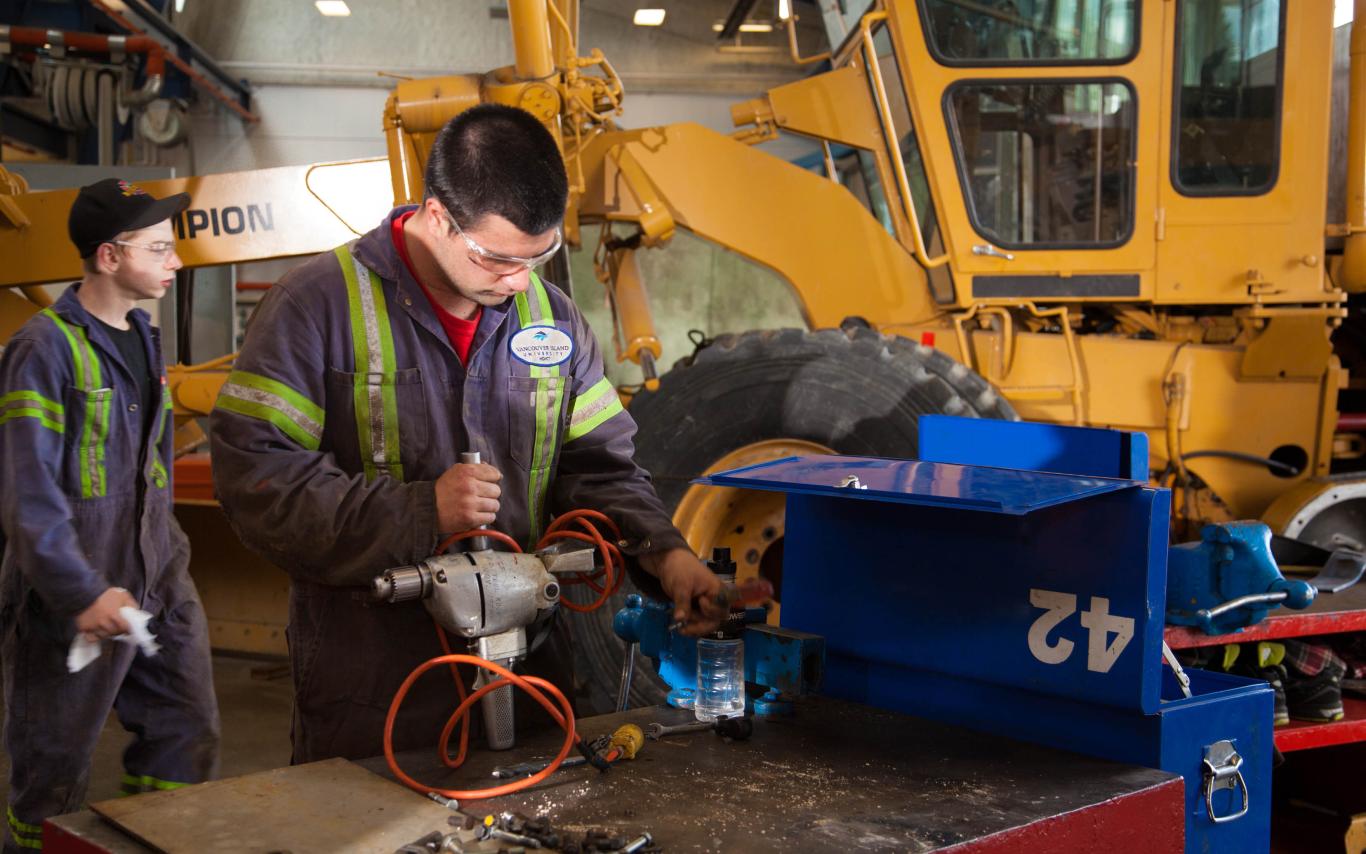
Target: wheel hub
[[749, 522]]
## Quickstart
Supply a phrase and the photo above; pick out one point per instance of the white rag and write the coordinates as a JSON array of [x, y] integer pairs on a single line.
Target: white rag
[[83, 651]]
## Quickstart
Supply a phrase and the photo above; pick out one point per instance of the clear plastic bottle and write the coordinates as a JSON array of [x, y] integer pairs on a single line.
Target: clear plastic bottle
[[720, 678]]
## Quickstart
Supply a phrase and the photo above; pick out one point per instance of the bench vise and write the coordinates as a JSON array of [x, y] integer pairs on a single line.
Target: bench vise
[[1229, 579], [788, 663]]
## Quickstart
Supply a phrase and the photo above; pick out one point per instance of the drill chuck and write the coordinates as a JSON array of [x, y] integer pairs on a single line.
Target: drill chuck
[[402, 585]]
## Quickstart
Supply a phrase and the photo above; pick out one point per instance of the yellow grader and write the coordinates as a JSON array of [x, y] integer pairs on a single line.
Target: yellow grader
[[1100, 212]]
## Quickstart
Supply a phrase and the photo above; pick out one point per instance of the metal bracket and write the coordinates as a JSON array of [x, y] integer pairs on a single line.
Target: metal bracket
[[1181, 678], [1222, 769]]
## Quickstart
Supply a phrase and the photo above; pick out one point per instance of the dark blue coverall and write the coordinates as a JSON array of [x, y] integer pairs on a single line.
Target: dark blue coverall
[[347, 403], [85, 504]]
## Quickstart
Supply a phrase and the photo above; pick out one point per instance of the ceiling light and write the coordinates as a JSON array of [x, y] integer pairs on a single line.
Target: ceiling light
[[333, 8], [784, 10], [649, 17], [748, 27]]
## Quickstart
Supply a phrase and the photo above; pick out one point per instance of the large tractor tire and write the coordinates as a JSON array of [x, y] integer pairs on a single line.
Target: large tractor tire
[[759, 396]]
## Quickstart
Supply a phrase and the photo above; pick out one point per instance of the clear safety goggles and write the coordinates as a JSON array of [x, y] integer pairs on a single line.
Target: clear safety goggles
[[159, 249], [500, 264]]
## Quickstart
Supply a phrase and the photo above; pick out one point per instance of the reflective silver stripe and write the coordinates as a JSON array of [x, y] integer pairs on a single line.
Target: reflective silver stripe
[[274, 401], [41, 408], [97, 402], [581, 421], [374, 372], [545, 403], [89, 371], [536, 317]]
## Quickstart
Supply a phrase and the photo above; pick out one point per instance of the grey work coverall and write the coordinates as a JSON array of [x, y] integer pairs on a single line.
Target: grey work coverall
[[347, 403], [85, 504]]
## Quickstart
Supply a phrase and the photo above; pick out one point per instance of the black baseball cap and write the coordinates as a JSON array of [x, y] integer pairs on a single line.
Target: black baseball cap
[[110, 207]]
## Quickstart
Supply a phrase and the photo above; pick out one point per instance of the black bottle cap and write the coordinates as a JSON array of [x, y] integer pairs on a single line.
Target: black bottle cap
[[720, 562]]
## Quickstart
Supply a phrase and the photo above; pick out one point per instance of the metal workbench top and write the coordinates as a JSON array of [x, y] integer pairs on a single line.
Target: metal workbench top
[[835, 776]]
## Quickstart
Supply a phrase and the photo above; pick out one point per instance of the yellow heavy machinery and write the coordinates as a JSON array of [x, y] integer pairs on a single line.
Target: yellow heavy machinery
[[1099, 212]]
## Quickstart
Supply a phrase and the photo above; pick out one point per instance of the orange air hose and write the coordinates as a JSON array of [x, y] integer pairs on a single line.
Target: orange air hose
[[564, 715]]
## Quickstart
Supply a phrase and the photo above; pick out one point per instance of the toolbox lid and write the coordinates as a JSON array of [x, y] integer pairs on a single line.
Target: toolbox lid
[[965, 487]]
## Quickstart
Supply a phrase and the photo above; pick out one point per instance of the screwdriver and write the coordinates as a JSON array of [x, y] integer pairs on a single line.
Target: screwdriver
[[752, 591]]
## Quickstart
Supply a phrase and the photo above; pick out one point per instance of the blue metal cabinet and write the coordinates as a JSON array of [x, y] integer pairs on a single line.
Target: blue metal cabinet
[[1022, 602]]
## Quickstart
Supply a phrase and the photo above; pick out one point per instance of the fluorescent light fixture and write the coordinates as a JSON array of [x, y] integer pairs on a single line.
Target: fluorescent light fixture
[[179, 6], [649, 17], [784, 9], [749, 27], [333, 8]]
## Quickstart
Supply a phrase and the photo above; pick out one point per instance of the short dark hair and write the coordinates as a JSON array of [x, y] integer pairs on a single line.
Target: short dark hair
[[493, 159]]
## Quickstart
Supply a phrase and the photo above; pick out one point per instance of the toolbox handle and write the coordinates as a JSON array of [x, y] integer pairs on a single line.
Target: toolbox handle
[[1222, 768]]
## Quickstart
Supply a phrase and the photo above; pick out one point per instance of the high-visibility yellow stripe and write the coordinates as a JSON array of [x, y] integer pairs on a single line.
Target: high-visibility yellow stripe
[[25, 396], [373, 392], [86, 363], [25, 835], [22, 826], [144, 782], [595, 406], [271, 400], [533, 309], [42, 417]]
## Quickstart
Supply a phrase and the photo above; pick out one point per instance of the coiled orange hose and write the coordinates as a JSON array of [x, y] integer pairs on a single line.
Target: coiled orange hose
[[612, 572]]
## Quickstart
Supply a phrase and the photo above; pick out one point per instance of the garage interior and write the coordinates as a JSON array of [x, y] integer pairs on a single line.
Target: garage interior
[[1004, 361]]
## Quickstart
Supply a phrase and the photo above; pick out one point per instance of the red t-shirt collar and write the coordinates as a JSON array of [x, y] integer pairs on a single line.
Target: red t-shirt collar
[[458, 330]]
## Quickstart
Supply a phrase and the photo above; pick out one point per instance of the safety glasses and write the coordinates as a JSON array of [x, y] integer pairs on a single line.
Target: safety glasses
[[504, 265], [160, 249]]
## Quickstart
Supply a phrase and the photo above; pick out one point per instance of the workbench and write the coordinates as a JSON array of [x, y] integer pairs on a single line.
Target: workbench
[[834, 776]]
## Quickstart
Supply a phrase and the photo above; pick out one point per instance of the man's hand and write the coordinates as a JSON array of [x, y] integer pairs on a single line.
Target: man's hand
[[101, 620], [685, 580], [467, 497]]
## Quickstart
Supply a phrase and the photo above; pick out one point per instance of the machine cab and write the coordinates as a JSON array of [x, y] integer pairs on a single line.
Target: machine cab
[[1097, 149]]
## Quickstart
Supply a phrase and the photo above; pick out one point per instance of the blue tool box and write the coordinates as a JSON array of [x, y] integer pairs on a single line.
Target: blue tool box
[[1014, 581]]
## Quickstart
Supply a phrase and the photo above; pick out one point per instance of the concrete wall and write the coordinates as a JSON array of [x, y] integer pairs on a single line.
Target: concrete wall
[[693, 284], [320, 98]]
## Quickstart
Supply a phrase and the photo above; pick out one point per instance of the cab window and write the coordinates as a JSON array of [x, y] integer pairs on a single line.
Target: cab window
[[1046, 163], [903, 144], [856, 169], [1031, 32], [901, 136], [1228, 100]]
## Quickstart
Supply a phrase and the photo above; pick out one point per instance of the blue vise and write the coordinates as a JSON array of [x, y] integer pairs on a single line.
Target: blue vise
[[787, 663], [1229, 579]]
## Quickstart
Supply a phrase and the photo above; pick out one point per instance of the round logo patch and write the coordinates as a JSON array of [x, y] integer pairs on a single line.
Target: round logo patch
[[542, 346]]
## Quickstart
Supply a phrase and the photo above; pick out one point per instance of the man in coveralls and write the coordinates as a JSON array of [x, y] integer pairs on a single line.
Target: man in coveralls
[[85, 507], [367, 371]]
